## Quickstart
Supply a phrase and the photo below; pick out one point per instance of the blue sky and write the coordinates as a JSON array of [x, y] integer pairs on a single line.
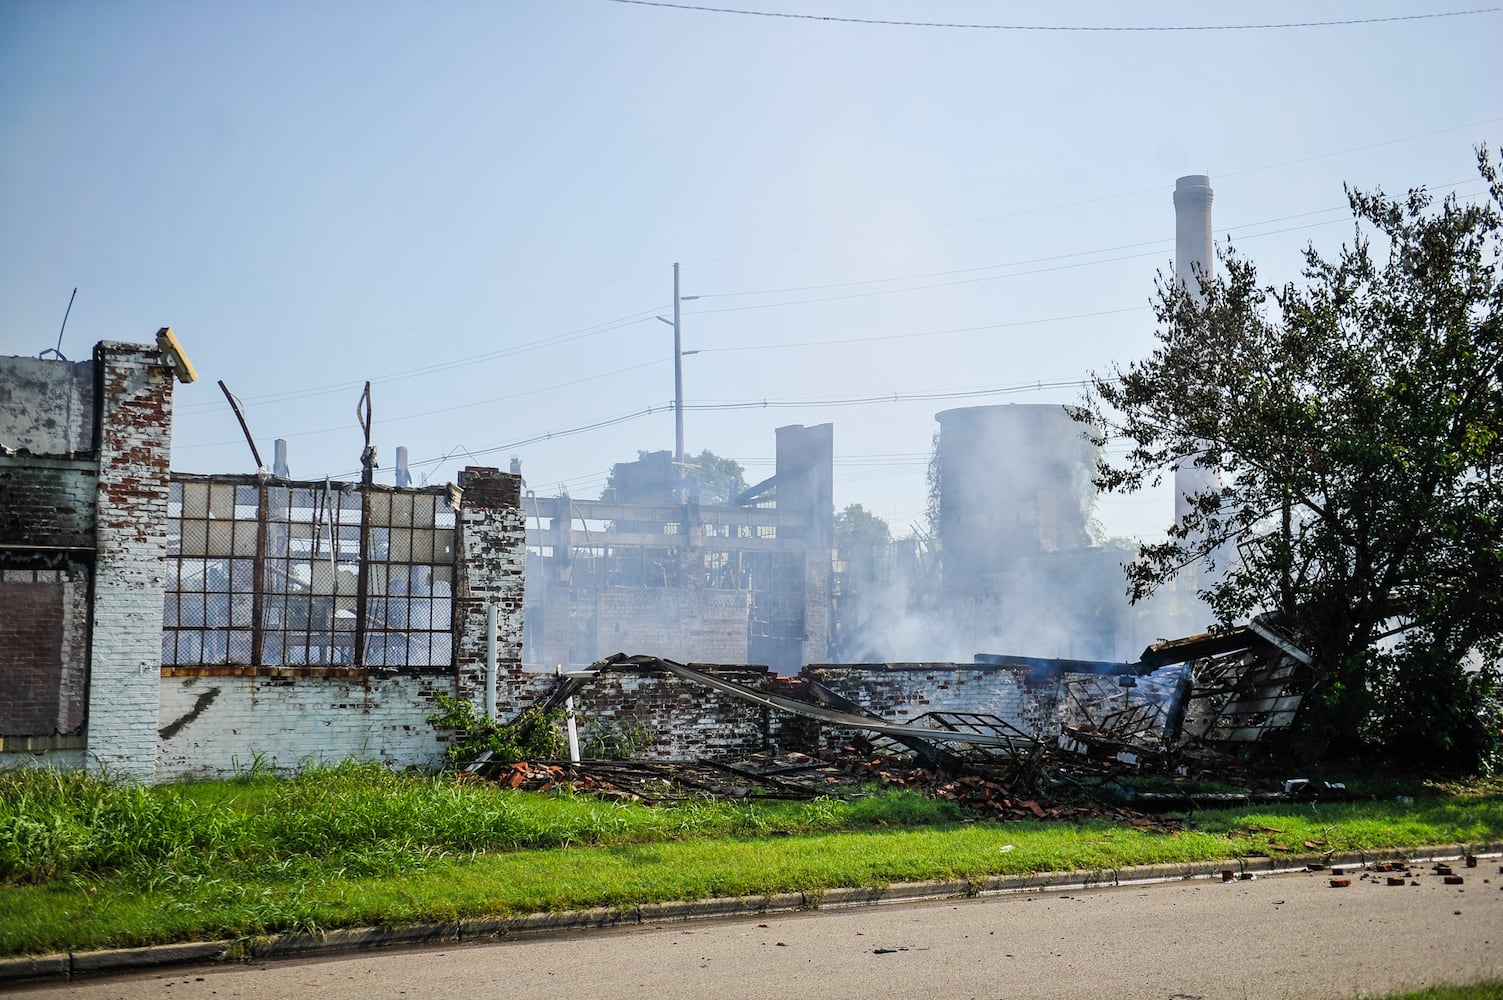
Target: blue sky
[[477, 207]]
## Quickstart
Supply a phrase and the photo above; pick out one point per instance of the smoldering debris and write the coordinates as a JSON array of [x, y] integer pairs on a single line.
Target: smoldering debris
[[1178, 715], [848, 773]]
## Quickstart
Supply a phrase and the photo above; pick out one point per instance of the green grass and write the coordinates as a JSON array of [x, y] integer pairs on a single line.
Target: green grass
[[1490, 989], [86, 863]]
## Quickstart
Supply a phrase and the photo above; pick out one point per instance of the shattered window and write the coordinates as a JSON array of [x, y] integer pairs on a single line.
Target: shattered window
[[272, 575], [410, 615]]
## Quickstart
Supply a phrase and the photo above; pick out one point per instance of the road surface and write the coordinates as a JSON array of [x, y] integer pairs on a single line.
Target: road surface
[[1275, 937]]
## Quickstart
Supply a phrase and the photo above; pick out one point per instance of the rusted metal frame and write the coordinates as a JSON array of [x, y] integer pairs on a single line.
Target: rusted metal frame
[[362, 566], [258, 573]]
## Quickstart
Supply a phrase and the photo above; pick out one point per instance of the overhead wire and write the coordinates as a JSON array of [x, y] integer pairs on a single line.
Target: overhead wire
[[1082, 202], [892, 22], [631, 319]]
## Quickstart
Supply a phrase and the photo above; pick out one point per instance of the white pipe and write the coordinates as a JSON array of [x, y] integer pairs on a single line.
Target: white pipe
[[490, 661], [573, 729]]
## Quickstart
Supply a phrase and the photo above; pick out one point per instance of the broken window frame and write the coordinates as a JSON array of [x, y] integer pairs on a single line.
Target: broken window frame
[[308, 574]]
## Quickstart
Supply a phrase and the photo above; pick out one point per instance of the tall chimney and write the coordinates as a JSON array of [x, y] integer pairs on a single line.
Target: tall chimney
[[1194, 261], [1193, 251]]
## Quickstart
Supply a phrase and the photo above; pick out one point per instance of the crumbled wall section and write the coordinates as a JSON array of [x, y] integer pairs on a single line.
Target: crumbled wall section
[[677, 719], [135, 438], [680, 719], [43, 650], [215, 724], [900, 692], [673, 622], [493, 559]]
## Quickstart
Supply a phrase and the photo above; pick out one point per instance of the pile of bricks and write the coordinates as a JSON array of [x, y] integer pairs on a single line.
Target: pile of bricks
[[798, 776]]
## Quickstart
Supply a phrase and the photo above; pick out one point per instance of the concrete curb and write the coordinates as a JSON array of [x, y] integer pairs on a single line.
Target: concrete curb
[[301, 945]]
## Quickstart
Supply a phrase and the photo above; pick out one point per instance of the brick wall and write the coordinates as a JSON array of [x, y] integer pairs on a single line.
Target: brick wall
[[131, 545], [213, 726], [683, 720], [43, 651], [47, 500], [493, 559], [687, 720]]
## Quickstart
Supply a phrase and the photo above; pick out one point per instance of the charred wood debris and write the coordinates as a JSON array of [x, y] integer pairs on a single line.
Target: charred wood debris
[[1184, 714]]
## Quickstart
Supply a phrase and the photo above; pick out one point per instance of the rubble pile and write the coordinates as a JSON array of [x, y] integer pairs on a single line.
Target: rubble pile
[[848, 773]]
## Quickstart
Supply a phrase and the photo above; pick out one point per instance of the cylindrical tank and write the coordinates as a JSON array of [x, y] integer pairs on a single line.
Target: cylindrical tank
[[1014, 481]]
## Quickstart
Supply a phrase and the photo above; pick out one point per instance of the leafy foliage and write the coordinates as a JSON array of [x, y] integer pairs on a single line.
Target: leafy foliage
[[534, 736], [720, 479], [1354, 420], [858, 528]]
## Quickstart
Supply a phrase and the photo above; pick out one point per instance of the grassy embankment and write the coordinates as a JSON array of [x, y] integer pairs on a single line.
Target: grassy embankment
[[87, 863]]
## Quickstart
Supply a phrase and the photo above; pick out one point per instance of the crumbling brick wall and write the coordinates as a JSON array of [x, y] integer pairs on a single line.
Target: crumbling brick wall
[[219, 721], [685, 720], [493, 553], [135, 437], [47, 501], [48, 488], [216, 719], [43, 649], [900, 692], [678, 719]]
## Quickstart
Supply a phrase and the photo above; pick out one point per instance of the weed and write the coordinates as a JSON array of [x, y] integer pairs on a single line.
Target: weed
[[534, 736]]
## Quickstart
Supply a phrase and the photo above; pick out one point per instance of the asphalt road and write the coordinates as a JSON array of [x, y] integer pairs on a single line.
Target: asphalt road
[[1284, 936]]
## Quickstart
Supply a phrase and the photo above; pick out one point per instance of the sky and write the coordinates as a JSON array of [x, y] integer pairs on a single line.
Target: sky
[[477, 208]]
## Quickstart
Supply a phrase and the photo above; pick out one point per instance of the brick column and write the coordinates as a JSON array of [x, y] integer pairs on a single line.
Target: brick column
[[493, 557], [135, 441]]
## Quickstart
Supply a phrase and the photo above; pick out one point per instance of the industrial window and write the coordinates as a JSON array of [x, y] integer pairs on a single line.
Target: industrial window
[[410, 615], [273, 575]]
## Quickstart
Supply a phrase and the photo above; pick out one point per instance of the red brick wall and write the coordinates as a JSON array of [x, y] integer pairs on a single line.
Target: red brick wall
[[43, 642]]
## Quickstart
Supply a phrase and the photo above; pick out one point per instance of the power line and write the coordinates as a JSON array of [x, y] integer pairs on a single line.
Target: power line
[[1081, 202], [450, 409], [927, 333], [1015, 263], [830, 19], [762, 404], [989, 277], [891, 397], [561, 338]]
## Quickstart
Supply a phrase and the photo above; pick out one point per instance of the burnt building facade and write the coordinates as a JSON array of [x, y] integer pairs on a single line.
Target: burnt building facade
[[161, 625], [742, 582]]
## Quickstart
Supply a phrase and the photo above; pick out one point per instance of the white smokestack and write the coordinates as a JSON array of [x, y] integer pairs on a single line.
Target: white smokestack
[[1194, 253], [1194, 262]]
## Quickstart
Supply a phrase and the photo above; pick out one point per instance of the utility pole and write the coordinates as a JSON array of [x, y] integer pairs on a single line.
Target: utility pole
[[678, 386]]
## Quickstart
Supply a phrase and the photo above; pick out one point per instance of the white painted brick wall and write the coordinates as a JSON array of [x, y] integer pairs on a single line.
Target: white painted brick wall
[[131, 545], [221, 725]]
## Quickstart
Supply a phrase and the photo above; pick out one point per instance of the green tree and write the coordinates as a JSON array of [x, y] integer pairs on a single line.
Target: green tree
[[720, 479], [857, 528], [1354, 419]]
